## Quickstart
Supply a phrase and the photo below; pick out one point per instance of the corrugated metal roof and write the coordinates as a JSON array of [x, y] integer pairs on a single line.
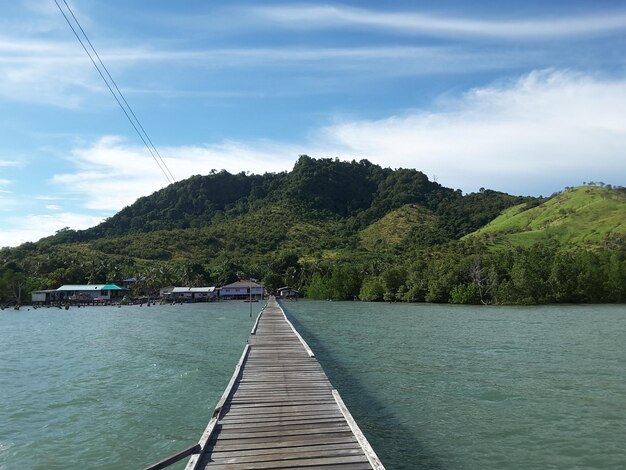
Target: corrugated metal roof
[[202, 289], [286, 288], [90, 287], [240, 284], [182, 290]]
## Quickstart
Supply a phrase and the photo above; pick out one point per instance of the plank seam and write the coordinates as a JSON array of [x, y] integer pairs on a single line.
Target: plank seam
[[306, 346]]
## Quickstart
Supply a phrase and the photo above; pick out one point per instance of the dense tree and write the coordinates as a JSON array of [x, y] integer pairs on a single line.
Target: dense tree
[[372, 289], [14, 285], [309, 229]]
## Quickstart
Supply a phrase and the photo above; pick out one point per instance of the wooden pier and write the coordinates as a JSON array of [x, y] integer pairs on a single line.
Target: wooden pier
[[280, 411]]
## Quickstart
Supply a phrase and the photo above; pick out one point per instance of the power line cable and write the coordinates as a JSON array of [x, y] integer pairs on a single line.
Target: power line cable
[[112, 92], [161, 164], [119, 91]]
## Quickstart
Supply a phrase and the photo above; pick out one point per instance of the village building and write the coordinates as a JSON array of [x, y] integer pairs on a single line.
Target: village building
[[80, 293], [137, 287], [288, 293], [164, 292], [242, 290], [189, 294], [42, 296]]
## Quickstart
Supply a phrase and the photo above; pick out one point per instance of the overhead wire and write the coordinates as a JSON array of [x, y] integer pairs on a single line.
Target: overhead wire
[[119, 91], [145, 138]]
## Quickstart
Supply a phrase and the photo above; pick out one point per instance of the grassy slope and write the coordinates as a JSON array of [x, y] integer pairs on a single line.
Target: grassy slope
[[582, 215], [396, 226]]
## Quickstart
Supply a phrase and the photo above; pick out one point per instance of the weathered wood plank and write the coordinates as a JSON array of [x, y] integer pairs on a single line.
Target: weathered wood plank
[[299, 453], [268, 420], [281, 425], [287, 441], [322, 448], [285, 409], [282, 433], [280, 410], [291, 463]]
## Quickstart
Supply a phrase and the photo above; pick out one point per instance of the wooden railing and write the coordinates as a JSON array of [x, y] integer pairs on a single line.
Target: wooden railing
[[172, 459]]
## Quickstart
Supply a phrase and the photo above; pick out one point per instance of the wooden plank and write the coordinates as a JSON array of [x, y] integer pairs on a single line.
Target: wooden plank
[[345, 466], [291, 463], [289, 441], [365, 445], [285, 457], [269, 426], [280, 404], [322, 448], [284, 433], [253, 420], [281, 410]]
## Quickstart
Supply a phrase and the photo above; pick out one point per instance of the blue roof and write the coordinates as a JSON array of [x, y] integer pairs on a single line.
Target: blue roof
[[90, 287]]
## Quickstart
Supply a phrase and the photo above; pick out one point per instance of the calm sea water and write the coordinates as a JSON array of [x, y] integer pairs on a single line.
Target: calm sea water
[[112, 388], [457, 387], [433, 387]]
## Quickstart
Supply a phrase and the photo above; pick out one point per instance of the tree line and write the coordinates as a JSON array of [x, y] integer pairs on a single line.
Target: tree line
[[309, 229], [539, 274]]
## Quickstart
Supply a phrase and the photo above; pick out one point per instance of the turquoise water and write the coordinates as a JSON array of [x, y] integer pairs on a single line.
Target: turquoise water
[[112, 388], [433, 387], [457, 387]]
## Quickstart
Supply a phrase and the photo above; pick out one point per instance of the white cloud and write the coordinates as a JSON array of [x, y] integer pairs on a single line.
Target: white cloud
[[547, 127], [53, 207], [7, 163], [58, 73], [52, 73], [371, 61], [112, 174], [43, 16], [32, 227], [7, 203], [407, 22]]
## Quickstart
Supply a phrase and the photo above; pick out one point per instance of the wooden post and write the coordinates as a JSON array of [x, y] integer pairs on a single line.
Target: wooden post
[[250, 296]]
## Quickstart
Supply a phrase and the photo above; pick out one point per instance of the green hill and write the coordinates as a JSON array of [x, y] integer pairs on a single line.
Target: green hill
[[587, 216], [338, 229]]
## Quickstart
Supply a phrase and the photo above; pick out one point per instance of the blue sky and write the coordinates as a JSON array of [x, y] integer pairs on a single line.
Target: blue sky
[[524, 97]]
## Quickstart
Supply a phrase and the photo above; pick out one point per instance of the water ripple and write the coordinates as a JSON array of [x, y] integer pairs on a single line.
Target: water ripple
[[460, 387], [112, 388]]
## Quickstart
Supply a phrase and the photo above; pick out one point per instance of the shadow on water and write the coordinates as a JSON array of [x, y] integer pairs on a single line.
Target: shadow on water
[[397, 446]]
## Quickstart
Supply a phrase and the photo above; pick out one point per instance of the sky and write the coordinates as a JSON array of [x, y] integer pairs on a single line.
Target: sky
[[525, 97]]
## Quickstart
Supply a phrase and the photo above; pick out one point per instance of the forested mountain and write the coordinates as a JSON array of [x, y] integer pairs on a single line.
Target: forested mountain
[[360, 192], [341, 230]]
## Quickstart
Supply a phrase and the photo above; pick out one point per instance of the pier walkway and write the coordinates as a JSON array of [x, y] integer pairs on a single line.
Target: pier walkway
[[280, 410]]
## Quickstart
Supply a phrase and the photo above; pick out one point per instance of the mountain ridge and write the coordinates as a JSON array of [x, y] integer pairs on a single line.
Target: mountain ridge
[[332, 228]]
